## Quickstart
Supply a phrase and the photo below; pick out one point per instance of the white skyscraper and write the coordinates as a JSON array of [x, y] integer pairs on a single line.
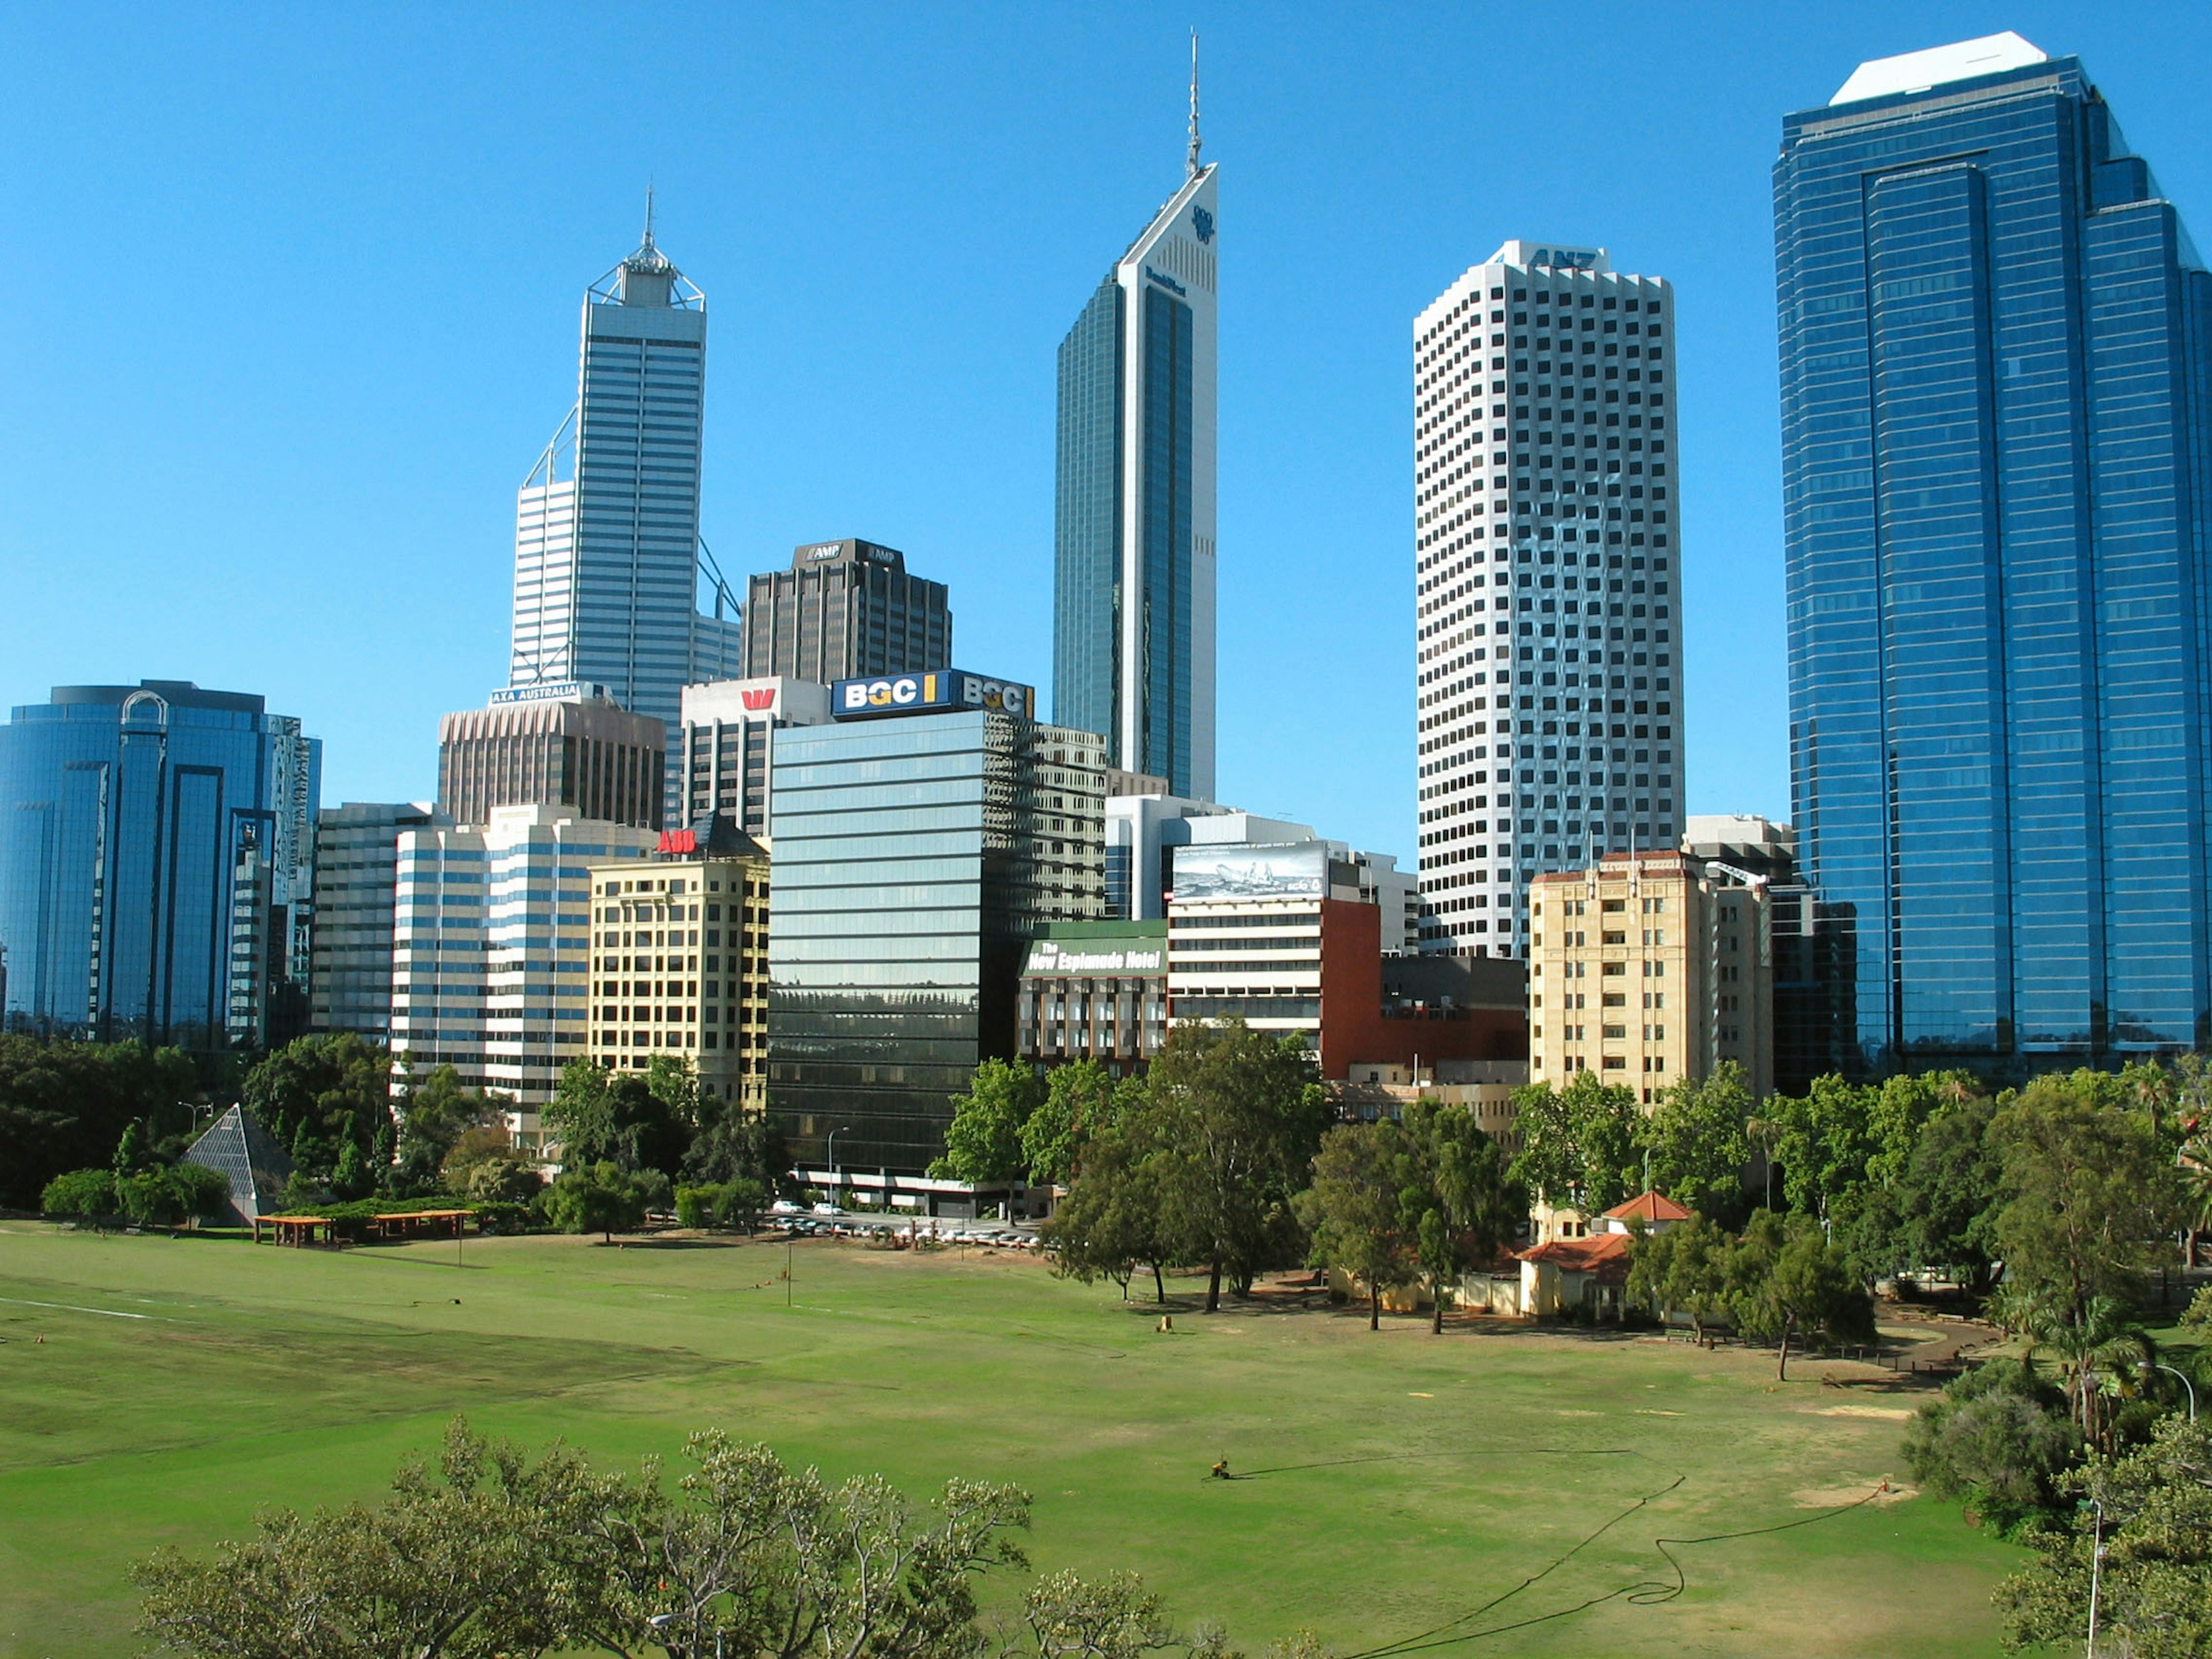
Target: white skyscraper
[[606, 540], [1547, 577], [1132, 624]]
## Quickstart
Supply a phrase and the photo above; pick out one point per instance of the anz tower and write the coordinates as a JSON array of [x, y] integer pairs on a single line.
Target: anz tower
[[1132, 625]]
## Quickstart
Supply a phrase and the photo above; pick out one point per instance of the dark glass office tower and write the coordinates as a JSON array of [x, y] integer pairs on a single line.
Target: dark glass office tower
[[1134, 519], [157, 866], [844, 608], [915, 856], [1994, 376]]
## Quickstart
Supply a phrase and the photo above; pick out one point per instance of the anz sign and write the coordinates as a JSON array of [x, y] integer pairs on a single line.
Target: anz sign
[[1560, 258]]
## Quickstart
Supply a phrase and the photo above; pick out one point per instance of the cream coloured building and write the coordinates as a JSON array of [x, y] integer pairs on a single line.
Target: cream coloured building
[[1649, 967], [679, 961]]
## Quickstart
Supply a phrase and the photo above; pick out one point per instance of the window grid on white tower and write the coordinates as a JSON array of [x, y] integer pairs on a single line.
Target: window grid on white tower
[[1547, 699]]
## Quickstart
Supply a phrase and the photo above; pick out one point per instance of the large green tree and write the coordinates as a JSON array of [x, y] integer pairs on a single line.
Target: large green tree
[[634, 1121], [983, 1142], [2151, 1509], [1683, 1269], [1578, 1145], [1239, 1115], [1457, 1195], [65, 1105], [1352, 1210], [1695, 1141], [1786, 1281], [317, 1093], [1078, 1102], [1114, 1217], [436, 1110]]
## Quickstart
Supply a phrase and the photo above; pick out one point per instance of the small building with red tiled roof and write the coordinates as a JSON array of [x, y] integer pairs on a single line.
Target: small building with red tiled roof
[[1657, 1212], [1564, 1273]]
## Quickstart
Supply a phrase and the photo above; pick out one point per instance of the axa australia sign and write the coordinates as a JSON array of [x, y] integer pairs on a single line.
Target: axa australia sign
[[936, 691]]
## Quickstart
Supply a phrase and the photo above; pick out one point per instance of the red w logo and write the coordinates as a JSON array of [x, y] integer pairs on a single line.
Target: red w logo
[[761, 699]]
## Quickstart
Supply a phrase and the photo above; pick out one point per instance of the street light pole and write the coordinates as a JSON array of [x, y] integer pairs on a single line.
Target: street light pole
[[841, 1129], [2096, 1571], [2152, 1365]]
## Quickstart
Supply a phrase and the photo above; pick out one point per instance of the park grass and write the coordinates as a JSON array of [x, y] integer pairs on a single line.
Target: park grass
[[1389, 1485]]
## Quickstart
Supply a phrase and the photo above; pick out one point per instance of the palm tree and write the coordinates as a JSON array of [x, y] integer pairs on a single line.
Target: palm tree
[[2100, 1337], [2195, 1162]]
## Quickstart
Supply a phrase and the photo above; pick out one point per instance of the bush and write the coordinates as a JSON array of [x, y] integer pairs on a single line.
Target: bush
[[698, 1206], [1997, 1437], [80, 1192], [742, 1202], [601, 1200]]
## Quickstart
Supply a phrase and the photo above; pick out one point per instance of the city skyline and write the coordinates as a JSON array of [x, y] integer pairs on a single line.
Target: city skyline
[[1314, 506]]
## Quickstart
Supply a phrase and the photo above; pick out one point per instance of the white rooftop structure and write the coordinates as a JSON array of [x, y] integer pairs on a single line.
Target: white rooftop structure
[[1917, 71]]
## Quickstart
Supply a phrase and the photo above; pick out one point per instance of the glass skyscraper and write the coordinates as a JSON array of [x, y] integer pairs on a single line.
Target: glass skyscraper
[[915, 856], [1994, 376], [1133, 617], [157, 866], [606, 540]]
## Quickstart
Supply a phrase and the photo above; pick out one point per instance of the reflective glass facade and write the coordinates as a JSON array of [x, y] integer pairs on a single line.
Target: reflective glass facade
[[156, 864], [1133, 529], [1993, 385], [914, 857]]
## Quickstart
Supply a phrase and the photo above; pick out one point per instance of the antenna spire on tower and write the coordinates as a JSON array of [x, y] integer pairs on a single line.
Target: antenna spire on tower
[[649, 215], [1192, 163]]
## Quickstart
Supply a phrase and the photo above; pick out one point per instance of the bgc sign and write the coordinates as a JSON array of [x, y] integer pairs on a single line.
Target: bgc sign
[[940, 692]]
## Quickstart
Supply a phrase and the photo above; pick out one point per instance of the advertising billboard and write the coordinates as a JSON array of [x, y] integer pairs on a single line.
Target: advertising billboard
[[939, 691], [1295, 870]]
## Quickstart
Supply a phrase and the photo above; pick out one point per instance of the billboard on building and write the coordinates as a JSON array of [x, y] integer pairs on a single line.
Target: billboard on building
[[939, 691], [1298, 869]]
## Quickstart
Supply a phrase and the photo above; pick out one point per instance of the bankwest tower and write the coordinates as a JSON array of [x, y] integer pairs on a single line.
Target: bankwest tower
[[1548, 574], [1132, 622]]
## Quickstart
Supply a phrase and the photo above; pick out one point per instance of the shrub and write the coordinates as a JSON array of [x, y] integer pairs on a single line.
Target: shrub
[[80, 1192], [1997, 1437], [741, 1203], [698, 1206]]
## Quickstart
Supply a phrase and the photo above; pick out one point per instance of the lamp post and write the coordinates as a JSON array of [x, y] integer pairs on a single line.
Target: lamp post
[[2152, 1365], [2096, 1571], [842, 1129]]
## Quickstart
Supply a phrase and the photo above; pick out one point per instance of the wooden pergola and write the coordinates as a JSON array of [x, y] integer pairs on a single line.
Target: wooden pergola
[[419, 1223], [298, 1231]]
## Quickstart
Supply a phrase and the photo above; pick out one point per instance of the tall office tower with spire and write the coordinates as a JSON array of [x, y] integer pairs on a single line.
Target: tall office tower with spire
[[606, 540], [1996, 451], [1133, 542], [1548, 581]]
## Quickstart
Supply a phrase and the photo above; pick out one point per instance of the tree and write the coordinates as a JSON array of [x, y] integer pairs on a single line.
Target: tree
[[1237, 1116], [599, 1199], [1683, 1269], [490, 1557], [1695, 1143], [80, 1192], [2152, 1509], [1455, 1194], [1578, 1145], [1785, 1279], [1115, 1217], [201, 1194], [1996, 1438], [130, 1151], [983, 1142], [1078, 1102], [618, 1117], [734, 1144], [434, 1113], [1947, 1195], [1352, 1209], [2086, 1195], [63, 1106], [484, 1166], [316, 1093]]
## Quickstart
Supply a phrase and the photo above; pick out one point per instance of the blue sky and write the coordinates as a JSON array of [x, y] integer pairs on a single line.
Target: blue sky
[[294, 303]]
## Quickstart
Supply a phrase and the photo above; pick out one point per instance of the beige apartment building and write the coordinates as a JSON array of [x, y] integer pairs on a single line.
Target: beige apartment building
[[1649, 967], [679, 961]]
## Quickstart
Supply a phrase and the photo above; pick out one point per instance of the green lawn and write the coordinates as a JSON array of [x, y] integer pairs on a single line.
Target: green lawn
[[1393, 1483]]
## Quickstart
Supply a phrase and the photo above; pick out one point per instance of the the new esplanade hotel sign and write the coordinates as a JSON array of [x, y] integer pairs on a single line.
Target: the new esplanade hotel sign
[[1055, 957], [939, 691]]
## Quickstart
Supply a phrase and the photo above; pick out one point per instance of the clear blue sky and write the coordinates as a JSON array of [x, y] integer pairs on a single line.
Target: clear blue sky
[[295, 290]]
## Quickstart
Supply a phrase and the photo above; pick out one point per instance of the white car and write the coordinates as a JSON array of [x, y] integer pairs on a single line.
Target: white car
[[783, 1206]]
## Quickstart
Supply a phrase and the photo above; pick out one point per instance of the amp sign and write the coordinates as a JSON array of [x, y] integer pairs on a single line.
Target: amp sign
[[940, 692]]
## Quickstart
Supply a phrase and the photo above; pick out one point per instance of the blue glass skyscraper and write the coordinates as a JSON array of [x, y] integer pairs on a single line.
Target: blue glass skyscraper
[[157, 864], [1133, 612], [1994, 385]]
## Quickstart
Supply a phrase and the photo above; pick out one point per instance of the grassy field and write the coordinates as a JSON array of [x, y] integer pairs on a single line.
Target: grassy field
[[1525, 1493]]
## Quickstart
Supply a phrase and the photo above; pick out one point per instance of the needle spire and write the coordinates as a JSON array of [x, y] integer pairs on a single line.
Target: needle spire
[[649, 215], [1193, 161]]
